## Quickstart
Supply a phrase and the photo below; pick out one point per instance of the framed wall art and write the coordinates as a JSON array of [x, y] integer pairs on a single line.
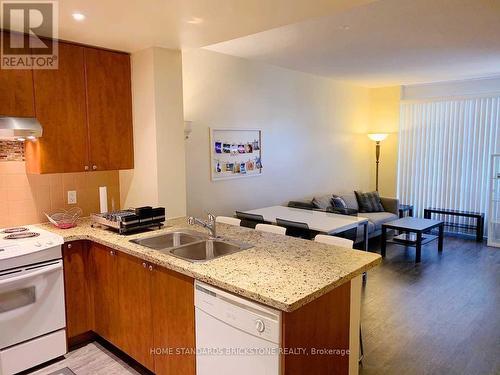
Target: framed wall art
[[235, 153]]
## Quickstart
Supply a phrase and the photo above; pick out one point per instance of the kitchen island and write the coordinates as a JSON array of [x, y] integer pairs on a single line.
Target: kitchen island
[[316, 286]]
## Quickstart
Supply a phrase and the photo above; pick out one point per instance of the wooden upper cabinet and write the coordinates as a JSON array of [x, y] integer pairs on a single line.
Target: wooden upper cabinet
[[16, 90], [109, 109], [61, 109]]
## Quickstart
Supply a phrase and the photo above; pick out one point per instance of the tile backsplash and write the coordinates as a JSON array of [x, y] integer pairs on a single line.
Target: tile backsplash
[[11, 151], [25, 197]]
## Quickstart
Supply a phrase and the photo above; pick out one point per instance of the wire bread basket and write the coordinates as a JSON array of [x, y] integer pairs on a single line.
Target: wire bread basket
[[65, 219]]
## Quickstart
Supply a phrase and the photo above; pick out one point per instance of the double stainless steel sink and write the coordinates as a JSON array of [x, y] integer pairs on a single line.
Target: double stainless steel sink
[[191, 246]]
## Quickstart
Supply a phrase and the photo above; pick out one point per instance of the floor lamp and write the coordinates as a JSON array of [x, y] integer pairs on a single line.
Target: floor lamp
[[377, 137]]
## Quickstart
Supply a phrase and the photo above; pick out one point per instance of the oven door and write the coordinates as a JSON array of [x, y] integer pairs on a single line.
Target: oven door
[[31, 302]]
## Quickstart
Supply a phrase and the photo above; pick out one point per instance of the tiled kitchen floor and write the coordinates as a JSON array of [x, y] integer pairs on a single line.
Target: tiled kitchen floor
[[91, 359]]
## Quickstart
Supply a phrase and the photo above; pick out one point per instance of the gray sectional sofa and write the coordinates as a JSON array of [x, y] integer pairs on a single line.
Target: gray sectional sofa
[[376, 219]]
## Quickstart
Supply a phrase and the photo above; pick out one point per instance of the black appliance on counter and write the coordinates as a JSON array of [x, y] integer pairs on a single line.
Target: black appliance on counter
[[131, 220]]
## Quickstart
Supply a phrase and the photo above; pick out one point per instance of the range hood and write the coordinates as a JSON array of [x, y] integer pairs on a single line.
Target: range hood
[[19, 128]]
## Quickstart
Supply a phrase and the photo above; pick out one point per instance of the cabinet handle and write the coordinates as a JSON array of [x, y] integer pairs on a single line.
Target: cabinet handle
[[86, 167], [70, 246], [112, 253], [94, 167], [144, 264], [150, 267]]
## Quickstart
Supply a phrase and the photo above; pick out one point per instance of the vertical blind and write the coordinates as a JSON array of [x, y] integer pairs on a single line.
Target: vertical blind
[[445, 149]]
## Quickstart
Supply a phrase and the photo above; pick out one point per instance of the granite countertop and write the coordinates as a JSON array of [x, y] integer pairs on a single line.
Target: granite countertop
[[279, 271]]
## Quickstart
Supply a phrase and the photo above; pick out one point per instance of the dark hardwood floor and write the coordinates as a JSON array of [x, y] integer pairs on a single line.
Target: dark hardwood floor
[[441, 316]]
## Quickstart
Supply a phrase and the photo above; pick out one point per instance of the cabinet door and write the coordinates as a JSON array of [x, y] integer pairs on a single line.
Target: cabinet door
[[173, 319], [16, 90], [61, 109], [109, 104], [77, 289], [105, 290], [134, 296]]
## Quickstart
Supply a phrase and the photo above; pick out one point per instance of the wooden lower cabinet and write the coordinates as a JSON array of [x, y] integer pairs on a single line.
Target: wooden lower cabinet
[[321, 324], [135, 319], [173, 317], [105, 292], [144, 310], [79, 302]]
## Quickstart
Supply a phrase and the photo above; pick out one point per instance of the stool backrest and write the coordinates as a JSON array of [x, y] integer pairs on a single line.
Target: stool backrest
[[250, 220], [295, 228], [332, 240], [271, 228], [228, 220]]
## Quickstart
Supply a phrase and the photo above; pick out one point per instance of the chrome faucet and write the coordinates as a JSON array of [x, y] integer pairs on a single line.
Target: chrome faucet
[[209, 224]]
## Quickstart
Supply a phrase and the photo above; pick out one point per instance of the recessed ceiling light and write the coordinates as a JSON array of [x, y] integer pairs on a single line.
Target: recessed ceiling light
[[344, 27], [78, 16], [195, 20]]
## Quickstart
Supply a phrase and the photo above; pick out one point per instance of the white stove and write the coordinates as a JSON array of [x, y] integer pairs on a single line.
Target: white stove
[[32, 312], [26, 245]]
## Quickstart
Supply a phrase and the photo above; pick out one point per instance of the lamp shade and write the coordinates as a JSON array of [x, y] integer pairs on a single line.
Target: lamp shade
[[377, 137]]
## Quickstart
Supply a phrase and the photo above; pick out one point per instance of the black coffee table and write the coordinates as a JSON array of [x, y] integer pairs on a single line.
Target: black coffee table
[[419, 227]]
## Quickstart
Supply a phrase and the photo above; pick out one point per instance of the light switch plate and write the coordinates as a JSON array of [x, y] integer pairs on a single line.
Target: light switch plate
[[71, 196]]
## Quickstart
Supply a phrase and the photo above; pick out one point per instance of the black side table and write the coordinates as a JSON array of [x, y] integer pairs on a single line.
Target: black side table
[[412, 225], [479, 216], [405, 208]]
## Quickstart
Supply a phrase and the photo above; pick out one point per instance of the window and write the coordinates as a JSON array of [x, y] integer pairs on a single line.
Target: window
[[445, 149]]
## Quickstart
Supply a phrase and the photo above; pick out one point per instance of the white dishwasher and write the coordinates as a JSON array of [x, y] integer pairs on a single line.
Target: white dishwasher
[[235, 335]]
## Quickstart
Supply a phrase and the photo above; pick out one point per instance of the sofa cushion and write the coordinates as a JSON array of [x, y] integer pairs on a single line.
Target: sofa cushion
[[390, 205], [323, 201], [377, 219], [338, 202], [350, 200], [369, 202]]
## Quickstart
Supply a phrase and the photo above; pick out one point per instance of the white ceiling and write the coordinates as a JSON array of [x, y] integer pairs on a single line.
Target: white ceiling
[[388, 42], [133, 25], [369, 42]]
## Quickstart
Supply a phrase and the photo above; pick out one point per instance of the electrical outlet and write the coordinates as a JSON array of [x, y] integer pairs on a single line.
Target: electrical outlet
[[71, 196]]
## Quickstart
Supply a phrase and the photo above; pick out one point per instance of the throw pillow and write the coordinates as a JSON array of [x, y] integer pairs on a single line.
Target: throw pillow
[[322, 202], [369, 202], [338, 202], [350, 200]]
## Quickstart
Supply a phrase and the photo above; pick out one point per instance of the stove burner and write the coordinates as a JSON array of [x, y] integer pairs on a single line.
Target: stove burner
[[18, 236], [15, 230]]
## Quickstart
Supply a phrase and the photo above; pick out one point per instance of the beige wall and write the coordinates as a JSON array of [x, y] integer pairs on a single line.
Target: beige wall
[[24, 198], [170, 145], [159, 175], [384, 118], [139, 186], [314, 132]]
